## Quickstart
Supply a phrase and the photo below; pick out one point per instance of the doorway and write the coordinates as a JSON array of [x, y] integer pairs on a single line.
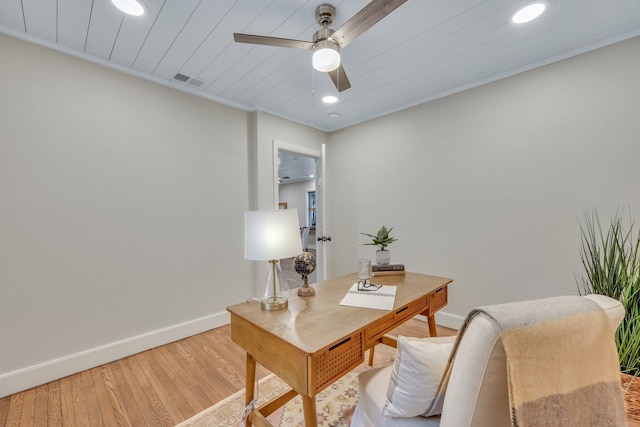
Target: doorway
[[298, 184]]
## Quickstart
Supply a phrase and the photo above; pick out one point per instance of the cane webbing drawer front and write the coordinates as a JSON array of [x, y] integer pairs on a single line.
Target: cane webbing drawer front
[[373, 332], [438, 299], [398, 316], [335, 361], [410, 310]]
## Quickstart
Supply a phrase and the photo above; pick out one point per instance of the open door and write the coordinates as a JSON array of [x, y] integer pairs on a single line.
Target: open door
[[321, 242]]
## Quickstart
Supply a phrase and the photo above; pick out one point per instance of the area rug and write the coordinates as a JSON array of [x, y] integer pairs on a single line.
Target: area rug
[[334, 405]]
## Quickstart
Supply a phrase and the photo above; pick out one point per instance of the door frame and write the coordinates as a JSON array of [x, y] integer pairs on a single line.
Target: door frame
[[318, 154]]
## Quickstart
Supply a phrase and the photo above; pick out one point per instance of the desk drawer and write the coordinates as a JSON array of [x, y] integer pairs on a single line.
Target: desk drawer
[[400, 315], [410, 310], [438, 300], [374, 331], [337, 360]]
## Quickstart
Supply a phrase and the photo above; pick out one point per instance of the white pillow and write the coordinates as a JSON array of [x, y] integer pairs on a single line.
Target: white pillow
[[417, 369]]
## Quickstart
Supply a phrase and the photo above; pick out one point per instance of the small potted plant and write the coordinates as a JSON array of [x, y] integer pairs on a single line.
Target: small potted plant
[[381, 240]]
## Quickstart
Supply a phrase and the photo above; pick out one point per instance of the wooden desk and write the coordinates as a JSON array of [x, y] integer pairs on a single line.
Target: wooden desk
[[316, 341]]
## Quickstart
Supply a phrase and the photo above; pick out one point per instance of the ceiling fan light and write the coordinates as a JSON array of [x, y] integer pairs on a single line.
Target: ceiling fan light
[[130, 7], [326, 58]]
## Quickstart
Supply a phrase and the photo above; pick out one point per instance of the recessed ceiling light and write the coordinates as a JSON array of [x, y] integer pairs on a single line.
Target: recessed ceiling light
[[529, 12], [334, 115], [130, 7], [329, 99]]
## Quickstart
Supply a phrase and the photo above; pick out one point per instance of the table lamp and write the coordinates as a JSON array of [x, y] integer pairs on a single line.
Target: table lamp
[[270, 235]]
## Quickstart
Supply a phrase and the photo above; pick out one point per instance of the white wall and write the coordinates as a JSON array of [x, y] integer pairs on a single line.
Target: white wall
[[270, 128], [295, 195], [488, 186], [120, 225]]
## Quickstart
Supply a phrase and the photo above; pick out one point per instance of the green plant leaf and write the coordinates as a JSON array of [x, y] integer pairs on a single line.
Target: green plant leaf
[[381, 238], [611, 261]]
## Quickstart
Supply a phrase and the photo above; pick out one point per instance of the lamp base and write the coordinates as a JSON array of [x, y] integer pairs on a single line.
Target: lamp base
[[274, 304], [277, 291]]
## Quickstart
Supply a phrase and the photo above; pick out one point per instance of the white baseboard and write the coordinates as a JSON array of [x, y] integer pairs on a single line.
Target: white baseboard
[[32, 376], [447, 320]]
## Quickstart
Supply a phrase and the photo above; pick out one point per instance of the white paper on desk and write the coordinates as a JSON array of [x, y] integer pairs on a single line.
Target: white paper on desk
[[381, 299]]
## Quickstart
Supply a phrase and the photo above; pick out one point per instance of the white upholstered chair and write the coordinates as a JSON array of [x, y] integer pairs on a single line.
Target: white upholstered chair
[[477, 393]]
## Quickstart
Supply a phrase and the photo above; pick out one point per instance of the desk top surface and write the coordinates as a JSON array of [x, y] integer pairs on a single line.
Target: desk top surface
[[311, 323]]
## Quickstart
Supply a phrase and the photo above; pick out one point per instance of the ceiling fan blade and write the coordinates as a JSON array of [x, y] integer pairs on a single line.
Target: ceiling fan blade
[[365, 19], [340, 79], [271, 41]]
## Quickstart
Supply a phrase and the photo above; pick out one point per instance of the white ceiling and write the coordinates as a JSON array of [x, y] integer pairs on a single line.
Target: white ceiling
[[424, 50], [294, 167]]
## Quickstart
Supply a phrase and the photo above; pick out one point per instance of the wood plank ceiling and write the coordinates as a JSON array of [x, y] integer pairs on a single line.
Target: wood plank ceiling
[[424, 50]]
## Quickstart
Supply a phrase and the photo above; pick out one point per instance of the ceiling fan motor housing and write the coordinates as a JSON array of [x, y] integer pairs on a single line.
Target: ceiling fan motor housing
[[324, 34]]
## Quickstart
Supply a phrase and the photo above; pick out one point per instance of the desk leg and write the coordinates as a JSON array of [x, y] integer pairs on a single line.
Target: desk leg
[[309, 409], [431, 320], [250, 384]]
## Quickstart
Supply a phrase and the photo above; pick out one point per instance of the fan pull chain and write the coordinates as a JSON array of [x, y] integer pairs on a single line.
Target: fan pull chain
[[313, 82]]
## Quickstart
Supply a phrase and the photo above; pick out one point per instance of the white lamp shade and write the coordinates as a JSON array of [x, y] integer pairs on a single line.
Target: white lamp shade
[[271, 234], [326, 59]]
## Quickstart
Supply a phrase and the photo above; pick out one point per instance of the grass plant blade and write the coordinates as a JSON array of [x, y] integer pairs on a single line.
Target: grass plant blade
[[611, 261]]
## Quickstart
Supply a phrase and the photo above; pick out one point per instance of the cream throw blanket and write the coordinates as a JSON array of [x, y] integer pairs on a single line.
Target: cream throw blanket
[[562, 364]]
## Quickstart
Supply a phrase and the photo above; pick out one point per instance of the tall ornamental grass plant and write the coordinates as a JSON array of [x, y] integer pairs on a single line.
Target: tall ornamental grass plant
[[611, 260]]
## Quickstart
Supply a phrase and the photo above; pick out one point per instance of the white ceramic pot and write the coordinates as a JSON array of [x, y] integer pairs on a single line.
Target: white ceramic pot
[[383, 257]]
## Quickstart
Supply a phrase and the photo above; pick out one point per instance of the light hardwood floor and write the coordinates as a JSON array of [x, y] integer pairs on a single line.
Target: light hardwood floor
[[159, 387]]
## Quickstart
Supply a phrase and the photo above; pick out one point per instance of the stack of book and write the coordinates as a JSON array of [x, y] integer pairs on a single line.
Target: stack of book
[[387, 269]]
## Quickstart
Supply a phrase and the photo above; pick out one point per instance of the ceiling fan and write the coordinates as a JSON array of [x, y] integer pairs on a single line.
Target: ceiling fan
[[326, 42]]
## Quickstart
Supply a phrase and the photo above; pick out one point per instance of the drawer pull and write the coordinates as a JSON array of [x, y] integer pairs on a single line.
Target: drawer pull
[[439, 290], [344, 341], [402, 309]]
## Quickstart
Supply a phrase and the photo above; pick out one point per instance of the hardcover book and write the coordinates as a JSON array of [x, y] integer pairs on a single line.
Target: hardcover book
[[388, 273], [387, 267]]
